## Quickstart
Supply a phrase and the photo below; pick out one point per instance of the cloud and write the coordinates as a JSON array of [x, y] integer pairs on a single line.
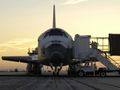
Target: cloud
[[68, 2], [17, 44]]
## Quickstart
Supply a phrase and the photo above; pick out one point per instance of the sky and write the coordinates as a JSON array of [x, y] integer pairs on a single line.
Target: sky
[[22, 21]]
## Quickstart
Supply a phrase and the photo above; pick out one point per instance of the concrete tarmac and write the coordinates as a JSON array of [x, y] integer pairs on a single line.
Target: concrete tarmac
[[58, 83]]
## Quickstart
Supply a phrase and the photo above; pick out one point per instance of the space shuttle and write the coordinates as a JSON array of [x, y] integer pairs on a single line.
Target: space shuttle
[[55, 49]]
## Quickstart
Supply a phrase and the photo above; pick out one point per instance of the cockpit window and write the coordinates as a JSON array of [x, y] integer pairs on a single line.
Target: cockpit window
[[55, 32]]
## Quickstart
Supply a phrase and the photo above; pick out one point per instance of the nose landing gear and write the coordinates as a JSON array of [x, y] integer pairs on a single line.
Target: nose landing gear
[[56, 71]]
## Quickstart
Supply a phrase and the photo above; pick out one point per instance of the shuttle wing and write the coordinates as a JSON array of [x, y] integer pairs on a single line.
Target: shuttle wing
[[25, 59]]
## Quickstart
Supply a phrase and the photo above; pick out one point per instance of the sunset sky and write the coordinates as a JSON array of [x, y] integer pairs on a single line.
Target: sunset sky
[[22, 21]]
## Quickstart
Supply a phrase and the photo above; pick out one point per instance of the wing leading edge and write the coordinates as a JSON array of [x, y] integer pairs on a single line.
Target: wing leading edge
[[25, 59]]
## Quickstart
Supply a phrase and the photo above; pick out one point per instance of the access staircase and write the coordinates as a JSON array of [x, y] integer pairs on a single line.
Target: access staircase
[[86, 51], [114, 62], [106, 60]]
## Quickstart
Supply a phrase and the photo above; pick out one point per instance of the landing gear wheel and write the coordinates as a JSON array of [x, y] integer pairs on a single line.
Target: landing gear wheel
[[69, 73], [29, 69], [55, 73], [37, 69]]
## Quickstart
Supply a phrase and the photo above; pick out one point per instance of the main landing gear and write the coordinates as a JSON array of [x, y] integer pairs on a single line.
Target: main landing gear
[[34, 69]]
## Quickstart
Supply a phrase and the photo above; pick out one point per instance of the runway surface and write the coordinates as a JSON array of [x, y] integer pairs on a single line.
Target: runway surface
[[59, 83]]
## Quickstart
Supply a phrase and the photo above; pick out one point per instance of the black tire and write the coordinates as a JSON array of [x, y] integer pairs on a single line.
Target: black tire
[[69, 73], [102, 74], [80, 73], [36, 70]]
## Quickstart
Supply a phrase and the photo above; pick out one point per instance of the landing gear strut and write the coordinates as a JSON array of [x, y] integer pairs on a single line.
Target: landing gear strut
[[34, 69], [57, 70]]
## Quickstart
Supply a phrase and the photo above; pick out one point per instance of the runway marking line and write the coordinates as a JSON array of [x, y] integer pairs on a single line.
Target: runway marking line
[[70, 85], [83, 83], [21, 88]]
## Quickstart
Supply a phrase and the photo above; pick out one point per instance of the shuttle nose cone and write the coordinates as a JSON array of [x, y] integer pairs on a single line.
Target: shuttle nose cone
[[56, 57], [55, 53]]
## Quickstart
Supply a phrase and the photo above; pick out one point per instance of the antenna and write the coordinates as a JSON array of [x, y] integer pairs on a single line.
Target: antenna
[[54, 17]]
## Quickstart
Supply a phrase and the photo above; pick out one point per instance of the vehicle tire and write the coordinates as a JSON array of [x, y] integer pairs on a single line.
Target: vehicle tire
[[81, 73], [102, 74]]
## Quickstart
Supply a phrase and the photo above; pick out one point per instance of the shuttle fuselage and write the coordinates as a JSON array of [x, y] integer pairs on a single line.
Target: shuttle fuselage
[[55, 47]]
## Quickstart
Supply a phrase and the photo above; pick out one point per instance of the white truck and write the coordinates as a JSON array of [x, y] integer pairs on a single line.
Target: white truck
[[84, 69]]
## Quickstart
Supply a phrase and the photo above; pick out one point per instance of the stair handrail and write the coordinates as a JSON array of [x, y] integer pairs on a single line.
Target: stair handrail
[[111, 59]]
